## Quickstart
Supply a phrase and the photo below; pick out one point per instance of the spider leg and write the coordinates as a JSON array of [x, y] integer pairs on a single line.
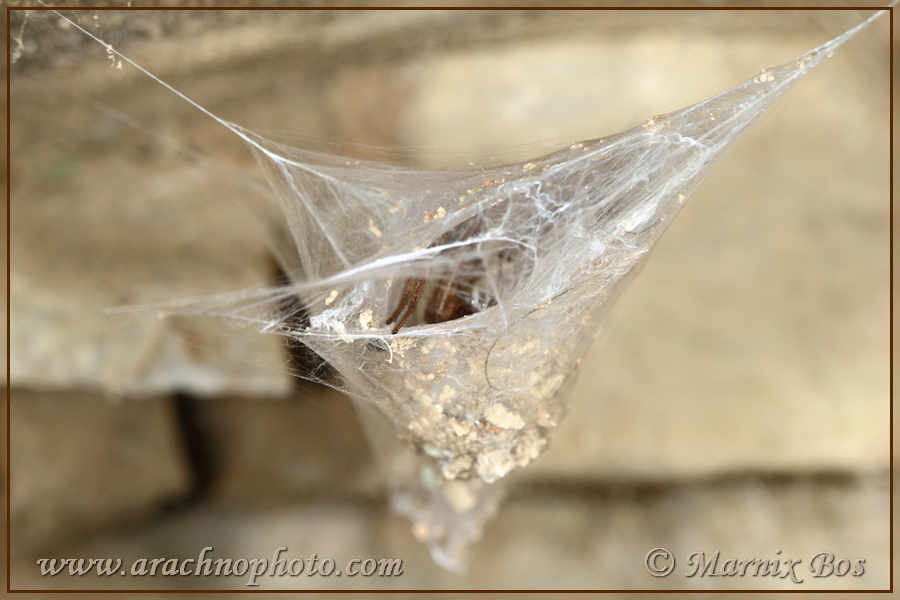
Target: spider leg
[[403, 301], [412, 305]]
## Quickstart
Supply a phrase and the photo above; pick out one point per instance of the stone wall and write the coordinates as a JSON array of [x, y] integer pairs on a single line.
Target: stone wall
[[737, 399]]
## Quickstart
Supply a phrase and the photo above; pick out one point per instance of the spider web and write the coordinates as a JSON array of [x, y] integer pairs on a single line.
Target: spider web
[[537, 252], [498, 277]]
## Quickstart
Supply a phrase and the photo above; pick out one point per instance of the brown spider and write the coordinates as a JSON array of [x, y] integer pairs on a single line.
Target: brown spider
[[448, 301]]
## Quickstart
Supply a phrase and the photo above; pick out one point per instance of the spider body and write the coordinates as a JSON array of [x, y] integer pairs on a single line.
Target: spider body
[[451, 297]]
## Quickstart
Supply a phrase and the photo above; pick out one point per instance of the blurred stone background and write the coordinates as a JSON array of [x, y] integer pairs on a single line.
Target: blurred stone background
[[737, 400]]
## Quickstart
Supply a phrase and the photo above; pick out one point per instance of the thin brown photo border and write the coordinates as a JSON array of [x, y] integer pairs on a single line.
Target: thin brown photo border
[[9, 9]]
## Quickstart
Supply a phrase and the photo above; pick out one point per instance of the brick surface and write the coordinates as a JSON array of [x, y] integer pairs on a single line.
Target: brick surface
[[82, 464], [754, 342], [301, 447]]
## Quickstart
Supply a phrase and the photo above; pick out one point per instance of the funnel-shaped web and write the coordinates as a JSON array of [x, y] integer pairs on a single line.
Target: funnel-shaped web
[[456, 305], [496, 281]]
